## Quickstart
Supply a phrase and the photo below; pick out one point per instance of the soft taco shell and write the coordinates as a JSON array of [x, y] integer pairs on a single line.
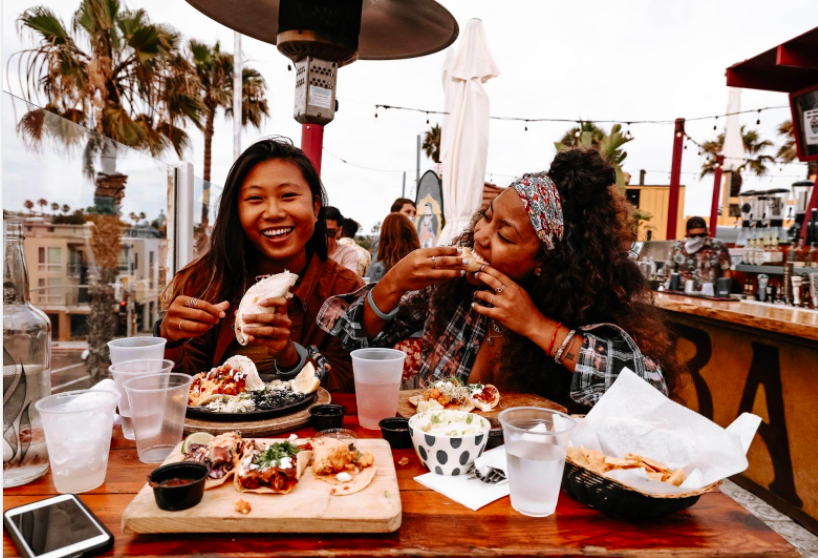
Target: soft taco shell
[[360, 480], [302, 460]]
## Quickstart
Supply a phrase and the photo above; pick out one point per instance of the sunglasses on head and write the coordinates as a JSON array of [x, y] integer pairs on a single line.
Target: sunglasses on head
[[332, 232]]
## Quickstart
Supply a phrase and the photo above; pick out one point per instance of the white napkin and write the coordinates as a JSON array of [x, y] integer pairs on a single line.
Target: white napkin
[[633, 417], [108, 385], [471, 492]]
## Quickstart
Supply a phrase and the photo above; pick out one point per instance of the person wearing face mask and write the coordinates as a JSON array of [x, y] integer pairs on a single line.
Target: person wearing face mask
[[699, 257], [553, 306]]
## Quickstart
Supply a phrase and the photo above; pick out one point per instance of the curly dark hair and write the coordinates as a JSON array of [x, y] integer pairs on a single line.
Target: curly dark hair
[[588, 278]]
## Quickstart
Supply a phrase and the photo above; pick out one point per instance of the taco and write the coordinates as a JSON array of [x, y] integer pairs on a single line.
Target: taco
[[270, 469], [270, 287], [237, 375], [342, 465], [221, 455]]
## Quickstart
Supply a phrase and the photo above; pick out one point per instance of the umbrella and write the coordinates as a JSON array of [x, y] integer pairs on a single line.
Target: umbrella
[[733, 148], [465, 141]]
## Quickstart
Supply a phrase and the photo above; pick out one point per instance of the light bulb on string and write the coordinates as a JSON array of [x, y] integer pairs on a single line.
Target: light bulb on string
[[714, 125], [427, 118], [376, 111], [628, 132], [526, 125], [758, 120]]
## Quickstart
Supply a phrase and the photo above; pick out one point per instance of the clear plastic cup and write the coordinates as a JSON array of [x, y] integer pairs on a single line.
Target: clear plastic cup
[[124, 371], [137, 348], [158, 405], [536, 441], [78, 427], [377, 374]]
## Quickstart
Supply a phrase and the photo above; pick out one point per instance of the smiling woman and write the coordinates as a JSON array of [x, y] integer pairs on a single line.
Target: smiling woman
[[270, 220], [559, 309]]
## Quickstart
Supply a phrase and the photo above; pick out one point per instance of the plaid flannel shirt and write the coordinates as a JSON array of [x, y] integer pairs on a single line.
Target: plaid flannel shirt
[[606, 348]]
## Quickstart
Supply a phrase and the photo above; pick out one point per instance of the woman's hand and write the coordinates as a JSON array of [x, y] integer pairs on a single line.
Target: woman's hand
[[190, 317], [509, 304], [425, 267], [272, 330]]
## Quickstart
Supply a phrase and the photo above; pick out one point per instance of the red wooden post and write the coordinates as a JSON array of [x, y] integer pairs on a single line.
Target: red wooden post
[[675, 174], [813, 204], [312, 143], [714, 208]]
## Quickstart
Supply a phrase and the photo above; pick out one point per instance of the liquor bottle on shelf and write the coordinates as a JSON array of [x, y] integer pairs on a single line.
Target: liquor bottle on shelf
[[777, 254], [26, 368], [813, 256], [799, 255]]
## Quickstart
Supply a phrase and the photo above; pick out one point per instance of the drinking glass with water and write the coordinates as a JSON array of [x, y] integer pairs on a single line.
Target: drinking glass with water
[[536, 441], [378, 374]]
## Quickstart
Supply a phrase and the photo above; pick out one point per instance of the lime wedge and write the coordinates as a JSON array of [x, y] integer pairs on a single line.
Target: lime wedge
[[197, 438]]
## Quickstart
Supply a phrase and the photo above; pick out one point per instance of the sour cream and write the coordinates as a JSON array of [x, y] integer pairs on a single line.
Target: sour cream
[[450, 423]]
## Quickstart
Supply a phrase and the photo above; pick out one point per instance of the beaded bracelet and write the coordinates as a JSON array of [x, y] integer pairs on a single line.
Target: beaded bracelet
[[565, 344], [554, 338], [388, 316]]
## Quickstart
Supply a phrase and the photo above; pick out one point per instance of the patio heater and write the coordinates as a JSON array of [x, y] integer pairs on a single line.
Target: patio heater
[[321, 36]]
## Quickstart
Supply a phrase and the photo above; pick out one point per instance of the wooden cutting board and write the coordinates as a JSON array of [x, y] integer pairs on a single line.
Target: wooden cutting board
[[507, 400], [269, 427], [307, 509]]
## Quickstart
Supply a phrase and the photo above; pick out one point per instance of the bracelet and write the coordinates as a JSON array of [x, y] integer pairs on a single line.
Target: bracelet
[[296, 368], [377, 310], [554, 338], [565, 344]]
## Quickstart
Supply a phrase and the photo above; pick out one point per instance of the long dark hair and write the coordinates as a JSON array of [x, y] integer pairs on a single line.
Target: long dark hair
[[398, 238], [588, 278], [226, 270]]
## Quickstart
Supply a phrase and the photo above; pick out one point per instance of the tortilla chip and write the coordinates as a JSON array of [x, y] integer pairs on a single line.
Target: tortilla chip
[[360, 480], [415, 399], [596, 461], [577, 455], [617, 463], [650, 463], [678, 477]]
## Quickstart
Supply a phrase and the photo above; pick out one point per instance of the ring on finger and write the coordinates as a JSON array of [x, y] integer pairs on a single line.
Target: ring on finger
[[188, 304], [194, 301], [492, 298], [500, 288], [434, 262], [180, 325]]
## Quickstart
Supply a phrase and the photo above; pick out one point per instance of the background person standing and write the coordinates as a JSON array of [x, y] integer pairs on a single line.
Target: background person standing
[[349, 228], [341, 254], [699, 257]]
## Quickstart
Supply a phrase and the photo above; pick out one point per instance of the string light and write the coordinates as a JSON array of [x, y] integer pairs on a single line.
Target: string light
[[714, 125], [427, 118], [528, 119], [376, 111], [758, 121], [526, 125]]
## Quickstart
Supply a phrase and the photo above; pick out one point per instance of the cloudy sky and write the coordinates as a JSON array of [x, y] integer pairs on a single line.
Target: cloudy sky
[[596, 59]]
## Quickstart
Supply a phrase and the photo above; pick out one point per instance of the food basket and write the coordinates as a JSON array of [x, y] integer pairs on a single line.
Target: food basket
[[612, 497], [615, 498]]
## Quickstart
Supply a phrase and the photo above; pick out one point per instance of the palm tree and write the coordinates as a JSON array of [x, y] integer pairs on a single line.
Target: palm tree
[[214, 69], [431, 143], [573, 137], [608, 145], [42, 202], [114, 71], [55, 207], [65, 209], [787, 152], [755, 161], [28, 204], [111, 70]]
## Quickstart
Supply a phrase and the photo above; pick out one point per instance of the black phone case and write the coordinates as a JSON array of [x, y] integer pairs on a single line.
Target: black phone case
[[94, 550]]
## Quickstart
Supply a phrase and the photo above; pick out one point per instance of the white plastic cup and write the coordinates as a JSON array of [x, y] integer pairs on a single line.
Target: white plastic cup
[[124, 371], [78, 427], [536, 441], [708, 290], [378, 374], [158, 405], [690, 286], [137, 348]]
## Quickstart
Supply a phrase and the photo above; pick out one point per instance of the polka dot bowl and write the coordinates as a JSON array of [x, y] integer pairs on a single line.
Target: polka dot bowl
[[448, 455]]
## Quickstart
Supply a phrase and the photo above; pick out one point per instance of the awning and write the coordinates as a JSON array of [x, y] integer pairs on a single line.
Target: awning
[[791, 66]]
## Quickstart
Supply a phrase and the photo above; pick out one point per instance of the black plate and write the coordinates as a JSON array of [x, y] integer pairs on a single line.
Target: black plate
[[202, 414]]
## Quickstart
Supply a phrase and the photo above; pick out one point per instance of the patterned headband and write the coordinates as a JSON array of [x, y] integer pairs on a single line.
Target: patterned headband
[[542, 203]]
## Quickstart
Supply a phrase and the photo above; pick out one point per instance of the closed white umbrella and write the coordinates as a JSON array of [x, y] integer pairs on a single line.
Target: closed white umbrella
[[465, 141], [733, 148]]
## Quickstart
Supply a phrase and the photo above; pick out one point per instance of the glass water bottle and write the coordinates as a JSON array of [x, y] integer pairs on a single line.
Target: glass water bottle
[[26, 368]]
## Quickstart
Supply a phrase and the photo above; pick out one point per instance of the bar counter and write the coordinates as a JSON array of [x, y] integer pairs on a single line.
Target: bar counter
[[745, 357]]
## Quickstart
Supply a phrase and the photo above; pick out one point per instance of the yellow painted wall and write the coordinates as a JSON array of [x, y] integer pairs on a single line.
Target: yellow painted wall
[[655, 200]]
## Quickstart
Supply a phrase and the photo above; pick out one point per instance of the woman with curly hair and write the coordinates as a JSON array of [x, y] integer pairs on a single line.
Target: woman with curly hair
[[559, 310]]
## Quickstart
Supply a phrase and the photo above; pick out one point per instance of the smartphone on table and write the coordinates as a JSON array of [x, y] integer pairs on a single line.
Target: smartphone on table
[[59, 527]]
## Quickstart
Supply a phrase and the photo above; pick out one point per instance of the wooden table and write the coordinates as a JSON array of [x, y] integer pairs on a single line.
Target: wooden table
[[433, 525]]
